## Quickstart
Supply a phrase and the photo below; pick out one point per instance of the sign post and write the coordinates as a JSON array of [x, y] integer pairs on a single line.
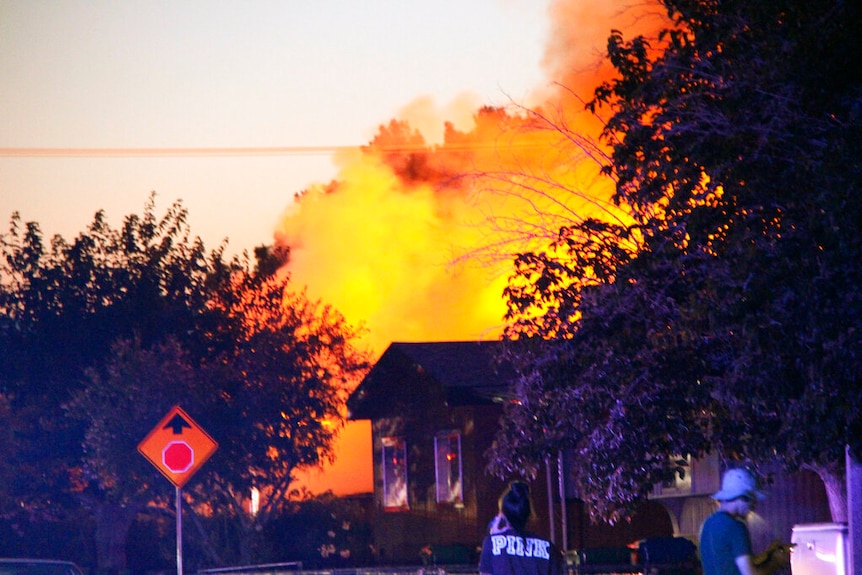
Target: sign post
[[178, 447]]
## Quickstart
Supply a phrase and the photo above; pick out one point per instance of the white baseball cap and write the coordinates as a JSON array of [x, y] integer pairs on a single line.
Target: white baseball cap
[[738, 483]]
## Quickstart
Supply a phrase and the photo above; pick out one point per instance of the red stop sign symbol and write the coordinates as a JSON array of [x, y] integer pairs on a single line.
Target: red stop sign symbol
[[178, 457]]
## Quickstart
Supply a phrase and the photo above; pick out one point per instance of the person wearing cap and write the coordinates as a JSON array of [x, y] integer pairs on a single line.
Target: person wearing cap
[[725, 541]]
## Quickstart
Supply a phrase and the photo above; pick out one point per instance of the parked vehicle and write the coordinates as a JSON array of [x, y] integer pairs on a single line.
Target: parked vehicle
[[38, 567]]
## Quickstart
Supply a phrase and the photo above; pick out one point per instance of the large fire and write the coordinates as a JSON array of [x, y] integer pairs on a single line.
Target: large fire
[[413, 239]]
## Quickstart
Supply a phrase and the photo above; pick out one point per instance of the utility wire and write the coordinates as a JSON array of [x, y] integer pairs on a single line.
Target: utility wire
[[249, 151], [170, 152]]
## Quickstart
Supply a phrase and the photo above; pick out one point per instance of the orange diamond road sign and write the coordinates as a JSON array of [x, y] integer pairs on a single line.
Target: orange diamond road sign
[[177, 446]]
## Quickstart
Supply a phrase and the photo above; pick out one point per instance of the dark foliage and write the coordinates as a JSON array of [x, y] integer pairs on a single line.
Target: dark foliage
[[735, 324], [101, 336]]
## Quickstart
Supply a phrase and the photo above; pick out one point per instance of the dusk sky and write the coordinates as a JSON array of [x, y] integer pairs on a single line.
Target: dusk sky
[[83, 74], [233, 107]]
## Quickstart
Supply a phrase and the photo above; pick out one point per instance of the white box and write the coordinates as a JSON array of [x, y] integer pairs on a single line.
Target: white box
[[819, 549]]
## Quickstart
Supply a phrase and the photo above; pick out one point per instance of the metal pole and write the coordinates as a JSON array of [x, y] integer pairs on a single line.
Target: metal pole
[[179, 505], [564, 523], [550, 488], [854, 513]]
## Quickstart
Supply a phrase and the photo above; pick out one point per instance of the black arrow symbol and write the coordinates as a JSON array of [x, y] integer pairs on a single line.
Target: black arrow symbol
[[177, 423]]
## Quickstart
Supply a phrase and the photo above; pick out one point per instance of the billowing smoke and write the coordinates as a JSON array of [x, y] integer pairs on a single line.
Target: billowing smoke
[[413, 239]]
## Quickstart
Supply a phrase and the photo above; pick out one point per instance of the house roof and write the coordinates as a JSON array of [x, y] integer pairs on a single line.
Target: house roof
[[464, 372]]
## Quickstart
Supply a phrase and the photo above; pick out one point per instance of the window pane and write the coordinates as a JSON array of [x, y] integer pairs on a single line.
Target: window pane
[[447, 449], [394, 473]]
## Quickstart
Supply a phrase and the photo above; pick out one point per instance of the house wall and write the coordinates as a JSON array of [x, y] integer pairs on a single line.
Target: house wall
[[680, 509], [792, 499], [579, 531], [401, 535], [651, 520], [455, 531]]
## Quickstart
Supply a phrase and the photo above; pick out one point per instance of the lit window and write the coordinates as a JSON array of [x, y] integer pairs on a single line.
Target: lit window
[[676, 486], [447, 450], [254, 503], [394, 473]]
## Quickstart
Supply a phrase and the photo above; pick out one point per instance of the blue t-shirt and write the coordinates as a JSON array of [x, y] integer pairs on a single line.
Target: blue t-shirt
[[513, 553], [723, 538]]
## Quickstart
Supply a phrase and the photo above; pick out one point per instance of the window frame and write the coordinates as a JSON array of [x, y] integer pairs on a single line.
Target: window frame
[[395, 493], [448, 457]]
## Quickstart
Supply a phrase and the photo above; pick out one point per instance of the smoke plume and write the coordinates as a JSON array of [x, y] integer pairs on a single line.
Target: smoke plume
[[413, 239]]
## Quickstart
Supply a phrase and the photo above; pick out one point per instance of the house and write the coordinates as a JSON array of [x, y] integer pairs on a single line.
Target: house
[[434, 411]]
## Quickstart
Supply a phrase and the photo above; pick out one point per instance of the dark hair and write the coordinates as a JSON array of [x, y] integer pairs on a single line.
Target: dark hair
[[515, 505]]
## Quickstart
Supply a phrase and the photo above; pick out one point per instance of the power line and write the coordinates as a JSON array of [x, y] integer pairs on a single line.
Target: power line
[[171, 152], [22, 152]]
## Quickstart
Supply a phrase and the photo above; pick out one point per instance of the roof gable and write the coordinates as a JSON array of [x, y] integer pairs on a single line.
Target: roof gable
[[458, 373]]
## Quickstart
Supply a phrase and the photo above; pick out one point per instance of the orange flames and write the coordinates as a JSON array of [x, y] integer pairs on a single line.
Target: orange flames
[[413, 240]]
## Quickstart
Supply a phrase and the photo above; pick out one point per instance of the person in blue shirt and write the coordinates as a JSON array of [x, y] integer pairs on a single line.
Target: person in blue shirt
[[725, 541], [509, 549]]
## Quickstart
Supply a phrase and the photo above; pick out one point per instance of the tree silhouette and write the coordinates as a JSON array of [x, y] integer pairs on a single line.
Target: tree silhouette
[[101, 336], [734, 326]]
